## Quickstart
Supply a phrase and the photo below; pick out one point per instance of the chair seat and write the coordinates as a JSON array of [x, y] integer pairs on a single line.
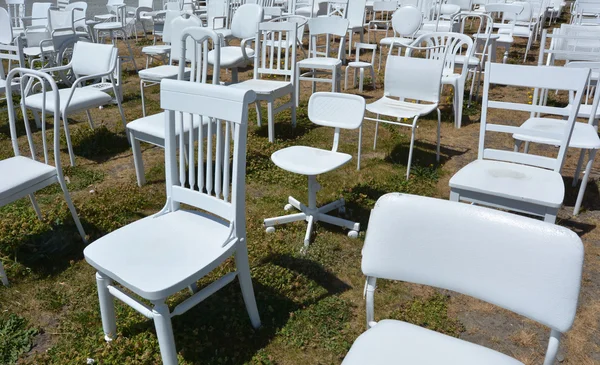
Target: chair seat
[[157, 49], [584, 135], [265, 87], [399, 109], [231, 56], [18, 173], [505, 39], [162, 72], [109, 26], [14, 86], [319, 62], [359, 64], [395, 40], [309, 160], [161, 254], [460, 59], [396, 342], [83, 99], [518, 31], [36, 50], [586, 109], [154, 126], [512, 181]]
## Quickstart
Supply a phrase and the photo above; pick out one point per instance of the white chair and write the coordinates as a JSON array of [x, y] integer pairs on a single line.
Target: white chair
[[115, 29], [162, 51], [381, 19], [140, 15], [193, 46], [517, 263], [10, 54], [153, 75], [584, 136], [409, 78], [505, 12], [272, 60], [512, 180], [243, 26], [357, 64], [23, 176], [16, 10], [39, 15], [524, 26], [321, 63], [341, 111], [165, 253], [356, 17], [6, 33], [112, 6], [90, 61], [406, 22]]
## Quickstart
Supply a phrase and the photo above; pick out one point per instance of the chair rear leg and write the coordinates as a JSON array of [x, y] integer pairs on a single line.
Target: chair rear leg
[[271, 121], [35, 205], [142, 97], [68, 138], [243, 268], [138, 161], [89, 118], [107, 307], [584, 181], [410, 151]]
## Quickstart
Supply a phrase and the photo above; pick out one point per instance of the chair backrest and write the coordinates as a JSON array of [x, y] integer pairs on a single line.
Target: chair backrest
[[592, 93], [61, 4], [362, 46], [356, 12], [337, 110], [93, 58], [524, 265], [571, 43], [215, 176], [195, 44], [446, 46], [39, 13], [465, 5], [507, 12], [406, 21], [539, 78], [60, 19], [6, 33], [79, 9], [276, 44], [47, 86], [586, 13], [337, 8], [245, 21], [16, 11], [216, 9], [413, 78], [485, 27], [177, 26], [170, 15], [524, 16], [327, 26], [11, 54]]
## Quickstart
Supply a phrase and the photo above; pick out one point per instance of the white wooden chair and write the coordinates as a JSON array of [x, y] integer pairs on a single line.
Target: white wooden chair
[[22, 176], [170, 251], [162, 51], [90, 61], [523, 265], [140, 15], [524, 27], [512, 180], [409, 78], [506, 12], [193, 45], [356, 16], [273, 60], [154, 75], [10, 54], [341, 111], [16, 10], [244, 24], [359, 65], [381, 20], [321, 63]]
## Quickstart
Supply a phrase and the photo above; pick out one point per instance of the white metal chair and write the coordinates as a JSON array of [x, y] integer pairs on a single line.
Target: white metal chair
[[115, 29], [139, 15], [357, 64], [10, 54], [16, 10], [506, 13], [409, 78], [162, 51], [341, 111], [170, 251], [90, 61], [193, 47], [271, 60], [22, 176], [152, 76], [112, 6], [512, 180], [243, 26], [406, 21], [381, 20], [355, 15], [529, 267], [321, 63], [6, 33]]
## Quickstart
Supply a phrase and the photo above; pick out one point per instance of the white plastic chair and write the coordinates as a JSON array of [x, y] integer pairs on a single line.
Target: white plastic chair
[[22, 176], [90, 61], [406, 21], [517, 263], [193, 47], [357, 64], [170, 251], [506, 12], [341, 111], [243, 26], [409, 78], [512, 180], [272, 60], [152, 76], [320, 63]]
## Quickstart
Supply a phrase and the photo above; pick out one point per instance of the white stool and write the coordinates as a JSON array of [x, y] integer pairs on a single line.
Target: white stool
[[361, 66]]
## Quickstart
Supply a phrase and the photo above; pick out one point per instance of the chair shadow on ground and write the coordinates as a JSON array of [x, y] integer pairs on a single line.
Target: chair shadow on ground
[[283, 123], [591, 198], [99, 144], [218, 330], [423, 154]]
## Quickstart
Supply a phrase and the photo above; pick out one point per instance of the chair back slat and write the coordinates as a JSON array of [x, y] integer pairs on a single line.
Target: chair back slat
[[327, 26], [277, 44]]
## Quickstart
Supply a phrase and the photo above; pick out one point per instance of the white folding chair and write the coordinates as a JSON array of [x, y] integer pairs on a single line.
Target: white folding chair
[[193, 45], [512, 180], [409, 78], [22, 176], [170, 251], [526, 266], [320, 63], [90, 61], [273, 60], [341, 111]]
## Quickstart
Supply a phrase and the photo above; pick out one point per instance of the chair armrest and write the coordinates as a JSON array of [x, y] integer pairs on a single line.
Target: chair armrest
[[142, 9], [218, 17], [243, 47]]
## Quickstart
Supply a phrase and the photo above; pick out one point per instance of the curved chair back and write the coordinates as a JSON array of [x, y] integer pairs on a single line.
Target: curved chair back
[[245, 21], [177, 27], [348, 113], [195, 45], [93, 58], [6, 33], [446, 46], [406, 21]]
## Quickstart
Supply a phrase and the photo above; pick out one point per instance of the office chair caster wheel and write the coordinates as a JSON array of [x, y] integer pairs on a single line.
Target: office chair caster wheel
[[270, 229], [288, 207], [353, 234]]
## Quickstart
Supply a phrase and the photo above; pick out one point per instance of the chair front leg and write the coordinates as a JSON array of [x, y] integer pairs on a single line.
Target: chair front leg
[[107, 307], [164, 332], [68, 137], [243, 268]]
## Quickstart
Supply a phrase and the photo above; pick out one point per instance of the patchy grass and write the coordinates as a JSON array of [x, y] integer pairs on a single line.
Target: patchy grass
[[15, 337]]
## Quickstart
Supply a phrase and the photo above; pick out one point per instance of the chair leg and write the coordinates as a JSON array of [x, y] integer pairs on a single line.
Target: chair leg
[[454, 196], [459, 91], [360, 82], [258, 113], [138, 162], [107, 307], [297, 85], [410, 151], [578, 168], [89, 118], [439, 130], [271, 121], [36, 207], [3, 277], [375, 137], [120, 105], [142, 97], [550, 216], [72, 210], [346, 78], [373, 76], [293, 107], [359, 147], [164, 332], [243, 268], [68, 138], [584, 181]]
